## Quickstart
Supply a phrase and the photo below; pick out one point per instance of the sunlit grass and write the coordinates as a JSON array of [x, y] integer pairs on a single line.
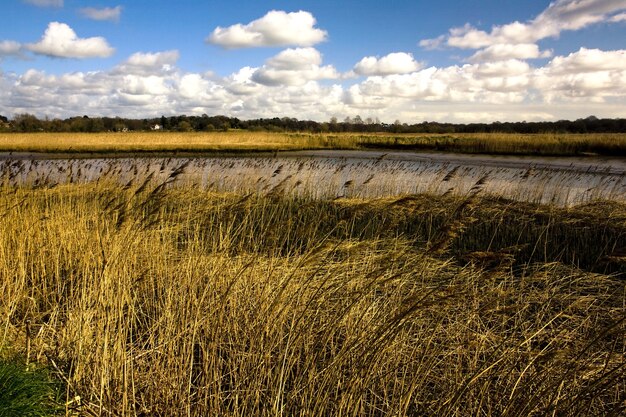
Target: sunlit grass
[[244, 141], [157, 300]]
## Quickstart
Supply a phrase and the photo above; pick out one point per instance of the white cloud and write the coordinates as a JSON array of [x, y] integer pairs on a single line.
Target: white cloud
[[146, 63], [10, 48], [505, 81], [589, 60], [621, 17], [241, 83], [431, 44], [144, 85], [276, 28], [59, 40], [149, 59], [193, 85], [107, 13], [45, 3], [295, 59], [560, 15], [393, 63], [294, 67], [500, 52], [588, 75]]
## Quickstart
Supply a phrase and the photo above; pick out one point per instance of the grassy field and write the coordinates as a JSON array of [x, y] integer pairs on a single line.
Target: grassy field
[[243, 141], [169, 301]]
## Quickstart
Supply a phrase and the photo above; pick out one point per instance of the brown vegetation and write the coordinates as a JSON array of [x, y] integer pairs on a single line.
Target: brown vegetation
[[150, 299], [610, 144]]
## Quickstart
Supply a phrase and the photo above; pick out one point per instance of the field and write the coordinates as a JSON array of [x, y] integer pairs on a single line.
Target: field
[[243, 141], [160, 298]]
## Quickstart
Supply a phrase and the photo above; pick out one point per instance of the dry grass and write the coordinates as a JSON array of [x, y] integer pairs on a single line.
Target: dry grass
[[540, 144], [154, 300], [553, 144], [160, 142]]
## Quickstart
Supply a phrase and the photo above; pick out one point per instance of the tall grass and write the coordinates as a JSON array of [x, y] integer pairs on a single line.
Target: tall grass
[[149, 299], [547, 144], [245, 141]]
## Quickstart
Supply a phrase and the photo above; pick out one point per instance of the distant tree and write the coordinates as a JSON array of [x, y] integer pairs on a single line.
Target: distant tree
[[27, 123], [184, 126], [57, 125]]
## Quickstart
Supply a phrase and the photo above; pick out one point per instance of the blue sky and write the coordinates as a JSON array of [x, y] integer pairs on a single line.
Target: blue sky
[[460, 61]]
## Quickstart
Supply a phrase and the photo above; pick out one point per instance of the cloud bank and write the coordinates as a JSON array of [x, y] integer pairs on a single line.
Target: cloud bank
[[296, 83]]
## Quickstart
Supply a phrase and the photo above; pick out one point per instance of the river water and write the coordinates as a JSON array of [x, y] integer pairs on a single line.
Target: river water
[[332, 174]]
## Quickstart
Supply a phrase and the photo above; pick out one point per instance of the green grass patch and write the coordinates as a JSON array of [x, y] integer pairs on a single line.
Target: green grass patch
[[27, 391]]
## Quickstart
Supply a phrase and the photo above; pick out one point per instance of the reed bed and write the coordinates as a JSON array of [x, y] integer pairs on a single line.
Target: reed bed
[[246, 141], [547, 144], [165, 299], [166, 142]]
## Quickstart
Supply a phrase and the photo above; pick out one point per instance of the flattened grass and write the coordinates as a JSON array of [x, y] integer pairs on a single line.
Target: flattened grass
[[154, 300]]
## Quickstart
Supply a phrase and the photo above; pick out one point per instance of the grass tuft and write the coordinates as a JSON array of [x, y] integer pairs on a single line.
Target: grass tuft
[[27, 392]]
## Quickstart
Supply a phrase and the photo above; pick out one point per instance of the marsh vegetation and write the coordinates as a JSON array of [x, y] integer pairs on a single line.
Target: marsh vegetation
[[556, 144], [159, 297]]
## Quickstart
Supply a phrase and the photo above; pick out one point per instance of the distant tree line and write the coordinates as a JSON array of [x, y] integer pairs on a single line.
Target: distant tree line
[[182, 123]]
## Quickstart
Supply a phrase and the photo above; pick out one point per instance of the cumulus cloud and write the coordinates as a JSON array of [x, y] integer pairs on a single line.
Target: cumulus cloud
[[294, 67], [107, 13], [157, 59], [60, 40], [144, 85], [561, 15], [146, 63], [588, 75], [500, 52], [589, 60], [10, 48], [276, 28], [241, 83], [393, 63], [45, 3]]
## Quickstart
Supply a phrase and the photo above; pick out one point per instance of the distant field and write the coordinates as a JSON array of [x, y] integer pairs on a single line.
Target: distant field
[[244, 141]]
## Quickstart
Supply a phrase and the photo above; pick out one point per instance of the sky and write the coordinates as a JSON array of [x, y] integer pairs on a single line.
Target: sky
[[407, 60]]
